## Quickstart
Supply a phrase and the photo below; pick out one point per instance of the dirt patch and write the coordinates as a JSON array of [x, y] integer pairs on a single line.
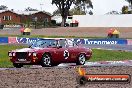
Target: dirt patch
[[57, 77], [126, 32]]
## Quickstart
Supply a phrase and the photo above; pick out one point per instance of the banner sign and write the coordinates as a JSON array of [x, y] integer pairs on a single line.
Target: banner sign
[[12, 40], [3, 39], [27, 40], [129, 41], [80, 41], [101, 41]]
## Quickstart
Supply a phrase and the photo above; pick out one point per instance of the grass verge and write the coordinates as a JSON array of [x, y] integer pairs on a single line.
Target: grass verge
[[110, 55], [98, 55]]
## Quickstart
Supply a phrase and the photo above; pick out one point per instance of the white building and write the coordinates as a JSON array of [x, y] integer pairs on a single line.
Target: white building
[[99, 20], [104, 20]]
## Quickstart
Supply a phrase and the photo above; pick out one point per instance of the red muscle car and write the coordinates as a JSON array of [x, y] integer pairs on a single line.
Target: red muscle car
[[50, 52]]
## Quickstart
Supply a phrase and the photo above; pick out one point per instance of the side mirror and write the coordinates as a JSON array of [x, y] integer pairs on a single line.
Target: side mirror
[[59, 47], [29, 46]]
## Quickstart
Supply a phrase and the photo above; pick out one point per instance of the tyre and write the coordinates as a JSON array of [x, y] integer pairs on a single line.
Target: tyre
[[46, 60], [17, 65], [81, 59]]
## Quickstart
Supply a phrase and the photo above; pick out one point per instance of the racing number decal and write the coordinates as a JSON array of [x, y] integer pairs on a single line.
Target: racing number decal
[[66, 54]]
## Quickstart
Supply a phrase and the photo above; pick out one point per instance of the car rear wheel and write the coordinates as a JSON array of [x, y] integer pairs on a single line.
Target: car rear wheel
[[17, 65], [46, 60], [81, 59]]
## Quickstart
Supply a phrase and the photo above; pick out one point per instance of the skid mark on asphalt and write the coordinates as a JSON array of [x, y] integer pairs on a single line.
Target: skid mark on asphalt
[[110, 63], [104, 63]]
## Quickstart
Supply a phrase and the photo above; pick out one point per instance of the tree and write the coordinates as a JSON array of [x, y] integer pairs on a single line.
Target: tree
[[125, 10], [56, 12], [77, 11], [84, 4], [73, 11], [90, 12], [130, 6], [3, 7], [30, 9], [64, 6]]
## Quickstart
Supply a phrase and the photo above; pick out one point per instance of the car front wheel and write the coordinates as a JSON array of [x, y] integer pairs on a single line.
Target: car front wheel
[[46, 60], [17, 65], [81, 59]]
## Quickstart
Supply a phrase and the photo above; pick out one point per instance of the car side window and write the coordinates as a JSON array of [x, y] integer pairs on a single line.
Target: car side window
[[62, 43], [70, 43], [66, 43], [53, 43], [45, 43]]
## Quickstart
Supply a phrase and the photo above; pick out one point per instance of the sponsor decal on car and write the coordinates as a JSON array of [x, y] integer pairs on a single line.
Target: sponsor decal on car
[[66, 54]]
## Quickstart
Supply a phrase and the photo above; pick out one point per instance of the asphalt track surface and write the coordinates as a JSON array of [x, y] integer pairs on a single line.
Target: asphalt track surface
[[125, 32]]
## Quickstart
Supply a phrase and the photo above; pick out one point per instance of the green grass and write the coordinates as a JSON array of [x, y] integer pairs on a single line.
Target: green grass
[[110, 55], [98, 55]]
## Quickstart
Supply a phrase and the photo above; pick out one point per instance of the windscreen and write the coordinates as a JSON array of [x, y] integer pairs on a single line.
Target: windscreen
[[44, 43]]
